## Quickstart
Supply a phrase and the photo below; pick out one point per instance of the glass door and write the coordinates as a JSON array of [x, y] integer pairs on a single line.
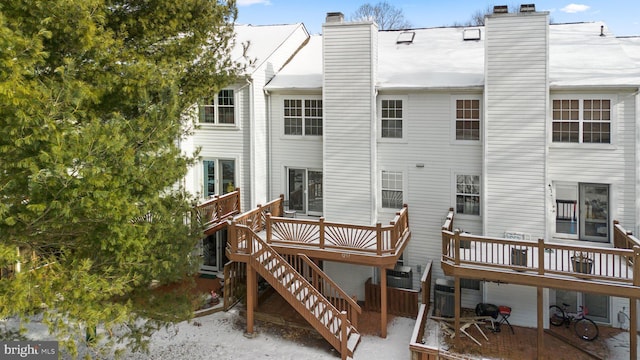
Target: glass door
[[594, 212], [314, 187], [305, 191], [213, 251]]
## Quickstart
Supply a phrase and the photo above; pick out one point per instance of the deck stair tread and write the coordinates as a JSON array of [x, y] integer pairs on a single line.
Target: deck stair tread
[[296, 289]]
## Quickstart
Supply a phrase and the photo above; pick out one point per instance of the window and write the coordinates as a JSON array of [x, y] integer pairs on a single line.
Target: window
[[391, 119], [216, 182], [392, 189], [582, 211], [468, 194], [582, 121], [302, 117], [218, 110], [467, 119]]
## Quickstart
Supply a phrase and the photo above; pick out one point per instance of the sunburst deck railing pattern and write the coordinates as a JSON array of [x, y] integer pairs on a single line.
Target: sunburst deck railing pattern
[[320, 234], [609, 264], [218, 209]]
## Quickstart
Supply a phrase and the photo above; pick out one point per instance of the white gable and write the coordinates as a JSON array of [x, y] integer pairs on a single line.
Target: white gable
[[256, 43]]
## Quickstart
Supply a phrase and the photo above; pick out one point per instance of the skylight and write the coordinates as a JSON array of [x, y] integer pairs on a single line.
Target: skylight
[[406, 37], [471, 34]]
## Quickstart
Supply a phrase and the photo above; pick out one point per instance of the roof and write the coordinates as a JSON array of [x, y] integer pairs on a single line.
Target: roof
[[255, 43], [440, 58], [580, 56]]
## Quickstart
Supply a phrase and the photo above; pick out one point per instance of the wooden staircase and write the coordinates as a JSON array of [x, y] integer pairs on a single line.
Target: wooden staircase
[[315, 308]]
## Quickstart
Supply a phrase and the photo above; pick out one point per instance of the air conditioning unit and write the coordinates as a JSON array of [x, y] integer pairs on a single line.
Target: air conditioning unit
[[400, 277], [444, 300]]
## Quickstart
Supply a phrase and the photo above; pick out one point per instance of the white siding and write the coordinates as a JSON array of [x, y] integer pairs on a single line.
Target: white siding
[[516, 100], [429, 190], [260, 127], [290, 151], [349, 132], [218, 142], [521, 299], [605, 164]]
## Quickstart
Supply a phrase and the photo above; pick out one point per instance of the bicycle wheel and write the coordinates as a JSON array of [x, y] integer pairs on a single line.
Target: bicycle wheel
[[556, 315], [586, 329]]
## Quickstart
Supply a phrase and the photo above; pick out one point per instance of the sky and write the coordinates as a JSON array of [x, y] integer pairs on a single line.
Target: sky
[[621, 16]]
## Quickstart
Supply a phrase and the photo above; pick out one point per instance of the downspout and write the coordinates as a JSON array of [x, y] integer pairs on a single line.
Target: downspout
[[268, 124], [637, 156], [251, 141]]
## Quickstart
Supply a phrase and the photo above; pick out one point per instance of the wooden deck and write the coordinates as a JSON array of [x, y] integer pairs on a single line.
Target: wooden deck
[[608, 271]]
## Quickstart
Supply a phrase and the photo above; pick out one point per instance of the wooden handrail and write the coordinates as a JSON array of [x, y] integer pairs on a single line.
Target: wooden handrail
[[337, 339], [607, 263], [219, 208], [425, 281], [353, 309], [622, 238]]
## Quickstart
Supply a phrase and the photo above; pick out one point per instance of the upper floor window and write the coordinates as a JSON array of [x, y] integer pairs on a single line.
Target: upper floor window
[[219, 176], [467, 119], [218, 110], [468, 194], [303, 117], [392, 189], [582, 121], [391, 118]]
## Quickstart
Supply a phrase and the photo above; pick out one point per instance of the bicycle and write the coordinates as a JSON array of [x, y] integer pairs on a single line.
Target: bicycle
[[585, 328]]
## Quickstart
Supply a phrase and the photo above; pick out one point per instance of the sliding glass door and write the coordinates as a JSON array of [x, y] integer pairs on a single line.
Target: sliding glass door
[[305, 191]]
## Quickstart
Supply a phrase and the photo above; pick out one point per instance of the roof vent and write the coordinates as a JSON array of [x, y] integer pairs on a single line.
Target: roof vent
[[470, 34], [406, 37], [335, 17], [525, 8], [500, 9]]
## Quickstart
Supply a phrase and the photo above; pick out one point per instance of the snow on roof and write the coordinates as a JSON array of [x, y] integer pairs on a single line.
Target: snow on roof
[[255, 43], [579, 56], [437, 58], [304, 71], [440, 58]]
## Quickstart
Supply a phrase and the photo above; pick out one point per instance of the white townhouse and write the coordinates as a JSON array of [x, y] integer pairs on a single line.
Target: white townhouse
[[233, 126], [527, 130]]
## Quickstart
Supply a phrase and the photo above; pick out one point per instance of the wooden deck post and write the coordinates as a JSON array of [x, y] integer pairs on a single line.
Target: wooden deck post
[[379, 239], [457, 298], [456, 248], [268, 227], [383, 302], [540, 313], [238, 206], [633, 328], [321, 228], [251, 301], [541, 256]]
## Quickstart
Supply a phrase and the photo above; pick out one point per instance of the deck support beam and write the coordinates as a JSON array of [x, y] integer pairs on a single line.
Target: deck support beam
[[458, 306], [251, 298], [540, 322], [633, 328], [383, 302]]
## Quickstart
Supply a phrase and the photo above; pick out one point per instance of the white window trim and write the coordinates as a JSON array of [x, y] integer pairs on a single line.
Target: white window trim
[[304, 135], [404, 189], [613, 127], [216, 125], [405, 117], [201, 184], [454, 194], [453, 108]]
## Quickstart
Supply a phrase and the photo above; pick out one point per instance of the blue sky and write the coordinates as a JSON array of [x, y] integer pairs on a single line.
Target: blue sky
[[621, 16]]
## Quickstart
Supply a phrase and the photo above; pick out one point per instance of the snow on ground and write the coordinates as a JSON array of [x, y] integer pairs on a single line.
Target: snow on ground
[[220, 336], [217, 337]]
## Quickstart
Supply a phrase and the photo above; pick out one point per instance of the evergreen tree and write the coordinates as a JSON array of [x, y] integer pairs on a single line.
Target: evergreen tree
[[93, 97]]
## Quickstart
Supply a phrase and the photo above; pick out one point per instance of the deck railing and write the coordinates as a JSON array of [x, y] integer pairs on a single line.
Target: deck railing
[[400, 302], [623, 239], [327, 287], [379, 239], [540, 257], [218, 208]]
